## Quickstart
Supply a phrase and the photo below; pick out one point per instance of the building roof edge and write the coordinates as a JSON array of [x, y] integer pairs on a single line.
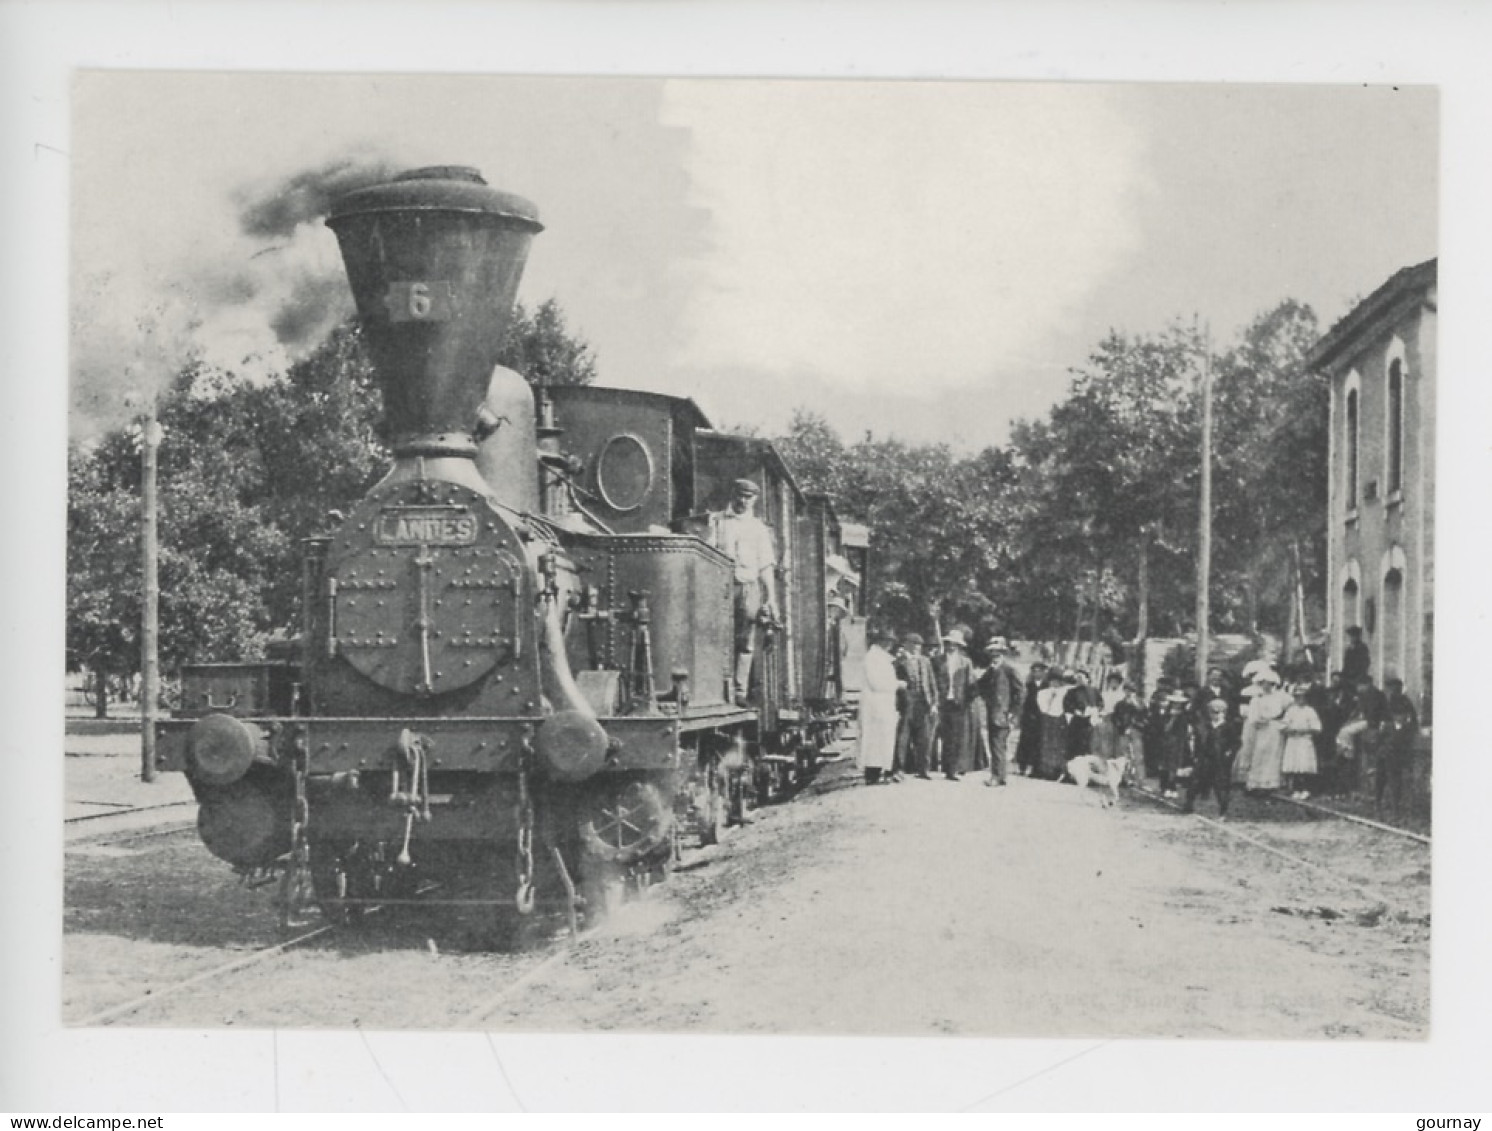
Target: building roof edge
[[1405, 281]]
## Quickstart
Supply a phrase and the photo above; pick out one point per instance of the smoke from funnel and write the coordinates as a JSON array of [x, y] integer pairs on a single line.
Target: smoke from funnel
[[248, 301], [306, 196]]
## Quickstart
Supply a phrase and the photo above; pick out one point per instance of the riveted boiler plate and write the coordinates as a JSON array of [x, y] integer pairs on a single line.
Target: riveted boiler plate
[[430, 606]]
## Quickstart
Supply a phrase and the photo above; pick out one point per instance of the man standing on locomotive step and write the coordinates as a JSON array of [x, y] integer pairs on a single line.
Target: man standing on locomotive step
[[747, 541]]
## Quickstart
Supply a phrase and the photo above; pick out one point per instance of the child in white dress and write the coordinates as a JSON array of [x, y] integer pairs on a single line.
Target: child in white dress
[[1301, 725]]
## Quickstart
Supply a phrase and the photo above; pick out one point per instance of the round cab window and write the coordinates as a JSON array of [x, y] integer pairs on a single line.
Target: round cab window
[[624, 473]]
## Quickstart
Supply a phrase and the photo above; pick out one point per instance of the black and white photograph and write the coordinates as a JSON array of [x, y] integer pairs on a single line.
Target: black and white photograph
[[940, 556]]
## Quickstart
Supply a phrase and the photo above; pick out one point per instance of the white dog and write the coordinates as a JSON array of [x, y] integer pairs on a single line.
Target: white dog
[[1090, 768]]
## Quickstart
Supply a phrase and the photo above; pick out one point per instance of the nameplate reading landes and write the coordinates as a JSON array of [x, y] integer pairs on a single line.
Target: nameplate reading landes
[[425, 526]]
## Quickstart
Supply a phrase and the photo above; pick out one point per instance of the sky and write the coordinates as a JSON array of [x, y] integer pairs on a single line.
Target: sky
[[925, 259]]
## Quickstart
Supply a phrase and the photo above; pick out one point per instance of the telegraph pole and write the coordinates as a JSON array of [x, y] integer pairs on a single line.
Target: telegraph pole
[[150, 682], [1204, 533]]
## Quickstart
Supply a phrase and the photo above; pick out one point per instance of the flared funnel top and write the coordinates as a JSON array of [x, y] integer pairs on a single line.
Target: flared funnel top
[[434, 258]]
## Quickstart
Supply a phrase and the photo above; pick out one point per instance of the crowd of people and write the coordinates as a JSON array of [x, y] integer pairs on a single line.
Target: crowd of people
[[950, 713], [940, 714]]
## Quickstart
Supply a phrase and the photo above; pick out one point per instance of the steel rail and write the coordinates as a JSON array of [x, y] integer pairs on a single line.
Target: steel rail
[[490, 1005], [104, 1016], [109, 839], [1353, 817], [126, 811], [1231, 830]]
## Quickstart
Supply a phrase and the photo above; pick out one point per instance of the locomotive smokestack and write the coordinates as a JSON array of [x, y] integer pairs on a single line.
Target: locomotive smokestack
[[434, 258]]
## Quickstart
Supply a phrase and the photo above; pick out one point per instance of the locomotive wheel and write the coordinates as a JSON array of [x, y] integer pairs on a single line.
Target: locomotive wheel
[[628, 830], [629, 825]]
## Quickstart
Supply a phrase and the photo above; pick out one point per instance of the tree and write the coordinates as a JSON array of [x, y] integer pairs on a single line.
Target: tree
[[1108, 484], [541, 346], [1270, 475], [103, 600], [936, 519]]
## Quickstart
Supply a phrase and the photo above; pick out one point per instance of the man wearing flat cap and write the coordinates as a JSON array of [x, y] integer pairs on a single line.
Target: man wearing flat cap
[[747, 541]]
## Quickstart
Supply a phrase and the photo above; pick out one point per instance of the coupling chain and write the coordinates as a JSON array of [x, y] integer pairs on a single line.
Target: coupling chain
[[524, 898], [298, 869]]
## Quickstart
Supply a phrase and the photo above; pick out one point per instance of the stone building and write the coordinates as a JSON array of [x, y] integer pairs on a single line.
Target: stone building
[[1380, 362]]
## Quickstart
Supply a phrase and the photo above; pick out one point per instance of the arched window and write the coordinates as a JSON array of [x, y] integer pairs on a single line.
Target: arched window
[[1395, 426], [1350, 441]]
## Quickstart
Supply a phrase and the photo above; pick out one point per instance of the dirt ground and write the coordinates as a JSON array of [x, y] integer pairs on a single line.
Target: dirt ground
[[930, 907], [922, 908]]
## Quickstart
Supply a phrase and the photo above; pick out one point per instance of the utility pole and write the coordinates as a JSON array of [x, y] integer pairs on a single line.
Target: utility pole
[[1204, 533], [150, 682]]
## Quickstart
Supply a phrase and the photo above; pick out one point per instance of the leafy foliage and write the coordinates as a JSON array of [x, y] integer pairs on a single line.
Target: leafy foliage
[[541, 346], [937, 519], [1085, 525]]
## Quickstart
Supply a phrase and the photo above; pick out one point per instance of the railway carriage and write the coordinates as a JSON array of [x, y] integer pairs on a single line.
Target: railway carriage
[[512, 679]]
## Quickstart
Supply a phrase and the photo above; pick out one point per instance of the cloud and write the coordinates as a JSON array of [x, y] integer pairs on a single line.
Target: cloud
[[894, 234]]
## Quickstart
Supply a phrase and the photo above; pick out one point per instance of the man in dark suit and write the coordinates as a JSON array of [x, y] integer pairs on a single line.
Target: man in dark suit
[[1400, 727], [1001, 689], [920, 719]]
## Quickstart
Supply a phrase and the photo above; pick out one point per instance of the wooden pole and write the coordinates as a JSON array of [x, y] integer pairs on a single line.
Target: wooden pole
[[150, 621], [1204, 534]]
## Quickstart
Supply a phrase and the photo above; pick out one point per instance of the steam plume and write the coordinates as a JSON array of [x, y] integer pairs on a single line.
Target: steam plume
[[247, 301], [306, 196]]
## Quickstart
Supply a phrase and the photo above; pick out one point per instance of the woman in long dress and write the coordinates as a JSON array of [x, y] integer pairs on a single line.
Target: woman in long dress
[[1028, 747], [1264, 734], [1052, 759], [878, 710], [1301, 725]]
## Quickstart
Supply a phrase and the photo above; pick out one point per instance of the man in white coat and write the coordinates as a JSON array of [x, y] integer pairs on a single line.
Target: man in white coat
[[878, 709]]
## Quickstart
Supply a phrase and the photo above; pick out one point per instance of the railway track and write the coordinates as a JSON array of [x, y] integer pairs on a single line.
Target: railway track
[[513, 970], [1327, 810], [123, 811], [212, 976], [1232, 829], [517, 972]]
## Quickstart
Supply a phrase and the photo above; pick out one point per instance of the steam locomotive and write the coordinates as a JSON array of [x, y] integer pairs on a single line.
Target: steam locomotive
[[512, 684]]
